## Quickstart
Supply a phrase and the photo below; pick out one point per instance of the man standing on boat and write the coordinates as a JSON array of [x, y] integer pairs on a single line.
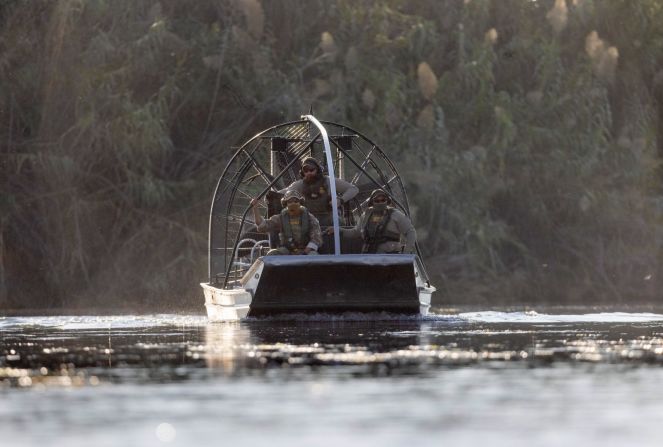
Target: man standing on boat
[[299, 230], [382, 227], [314, 186]]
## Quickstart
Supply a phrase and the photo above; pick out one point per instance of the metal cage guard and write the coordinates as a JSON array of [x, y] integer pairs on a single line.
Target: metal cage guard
[[225, 212]]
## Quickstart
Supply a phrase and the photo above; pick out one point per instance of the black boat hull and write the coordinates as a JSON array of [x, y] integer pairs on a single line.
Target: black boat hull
[[336, 284]]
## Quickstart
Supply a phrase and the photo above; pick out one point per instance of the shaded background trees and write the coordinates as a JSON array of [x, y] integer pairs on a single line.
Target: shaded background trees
[[528, 133]]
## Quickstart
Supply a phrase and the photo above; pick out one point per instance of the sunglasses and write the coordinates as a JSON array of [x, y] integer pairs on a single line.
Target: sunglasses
[[309, 169], [380, 200]]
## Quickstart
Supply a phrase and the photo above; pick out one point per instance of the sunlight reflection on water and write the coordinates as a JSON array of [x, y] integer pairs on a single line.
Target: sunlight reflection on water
[[507, 378]]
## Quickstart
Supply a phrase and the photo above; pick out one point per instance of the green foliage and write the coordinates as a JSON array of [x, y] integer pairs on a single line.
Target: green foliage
[[529, 144]]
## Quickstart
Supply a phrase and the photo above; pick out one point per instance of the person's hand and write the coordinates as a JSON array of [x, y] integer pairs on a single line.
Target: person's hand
[[329, 230], [307, 250], [255, 202]]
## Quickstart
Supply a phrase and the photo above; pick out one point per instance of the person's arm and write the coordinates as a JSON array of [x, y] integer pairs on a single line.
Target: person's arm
[[262, 225], [346, 190], [257, 218], [296, 185], [406, 229], [358, 228], [315, 234]]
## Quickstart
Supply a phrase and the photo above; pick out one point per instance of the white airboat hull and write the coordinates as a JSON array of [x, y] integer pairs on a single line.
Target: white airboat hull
[[226, 304]]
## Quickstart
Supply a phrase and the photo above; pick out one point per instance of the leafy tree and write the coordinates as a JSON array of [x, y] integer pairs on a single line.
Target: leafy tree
[[528, 132]]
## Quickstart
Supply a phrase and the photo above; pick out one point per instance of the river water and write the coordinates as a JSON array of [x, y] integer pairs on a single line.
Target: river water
[[462, 378]]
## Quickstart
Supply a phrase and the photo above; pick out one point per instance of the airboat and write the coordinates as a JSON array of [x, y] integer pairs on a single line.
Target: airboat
[[243, 282]]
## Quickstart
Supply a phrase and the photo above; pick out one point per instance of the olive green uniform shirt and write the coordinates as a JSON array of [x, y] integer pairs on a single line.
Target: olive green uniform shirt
[[345, 190], [274, 224], [398, 223]]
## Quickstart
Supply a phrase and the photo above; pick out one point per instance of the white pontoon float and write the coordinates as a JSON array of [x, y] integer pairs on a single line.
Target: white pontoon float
[[243, 282]]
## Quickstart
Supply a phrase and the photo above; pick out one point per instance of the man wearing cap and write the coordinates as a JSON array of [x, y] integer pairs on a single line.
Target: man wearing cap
[[299, 230], [382, 227], [315, 188]]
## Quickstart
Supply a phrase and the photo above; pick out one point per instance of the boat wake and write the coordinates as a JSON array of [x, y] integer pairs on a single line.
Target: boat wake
[[533, 317], [527, 317], [351, 317], [86, 322], [92, 322]]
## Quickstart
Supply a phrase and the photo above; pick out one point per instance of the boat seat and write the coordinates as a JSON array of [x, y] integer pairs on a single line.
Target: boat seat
[[350, 244]]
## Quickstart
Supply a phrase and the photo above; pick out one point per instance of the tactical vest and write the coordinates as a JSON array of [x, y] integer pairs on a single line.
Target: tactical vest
[[375, 230], [294, 233], [317, 197]]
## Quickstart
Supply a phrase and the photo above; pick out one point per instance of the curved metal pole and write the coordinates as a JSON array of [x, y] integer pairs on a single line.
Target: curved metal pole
[[332, 179]]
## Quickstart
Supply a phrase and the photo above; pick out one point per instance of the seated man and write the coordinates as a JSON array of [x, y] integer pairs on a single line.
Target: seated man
[[299, 231], [315, 188], [381, 227]]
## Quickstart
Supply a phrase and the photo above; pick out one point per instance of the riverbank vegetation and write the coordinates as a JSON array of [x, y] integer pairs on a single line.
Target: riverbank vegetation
[[528, 133]]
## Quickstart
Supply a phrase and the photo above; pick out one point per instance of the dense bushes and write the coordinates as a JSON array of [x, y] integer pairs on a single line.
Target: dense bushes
[[527, 132]]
